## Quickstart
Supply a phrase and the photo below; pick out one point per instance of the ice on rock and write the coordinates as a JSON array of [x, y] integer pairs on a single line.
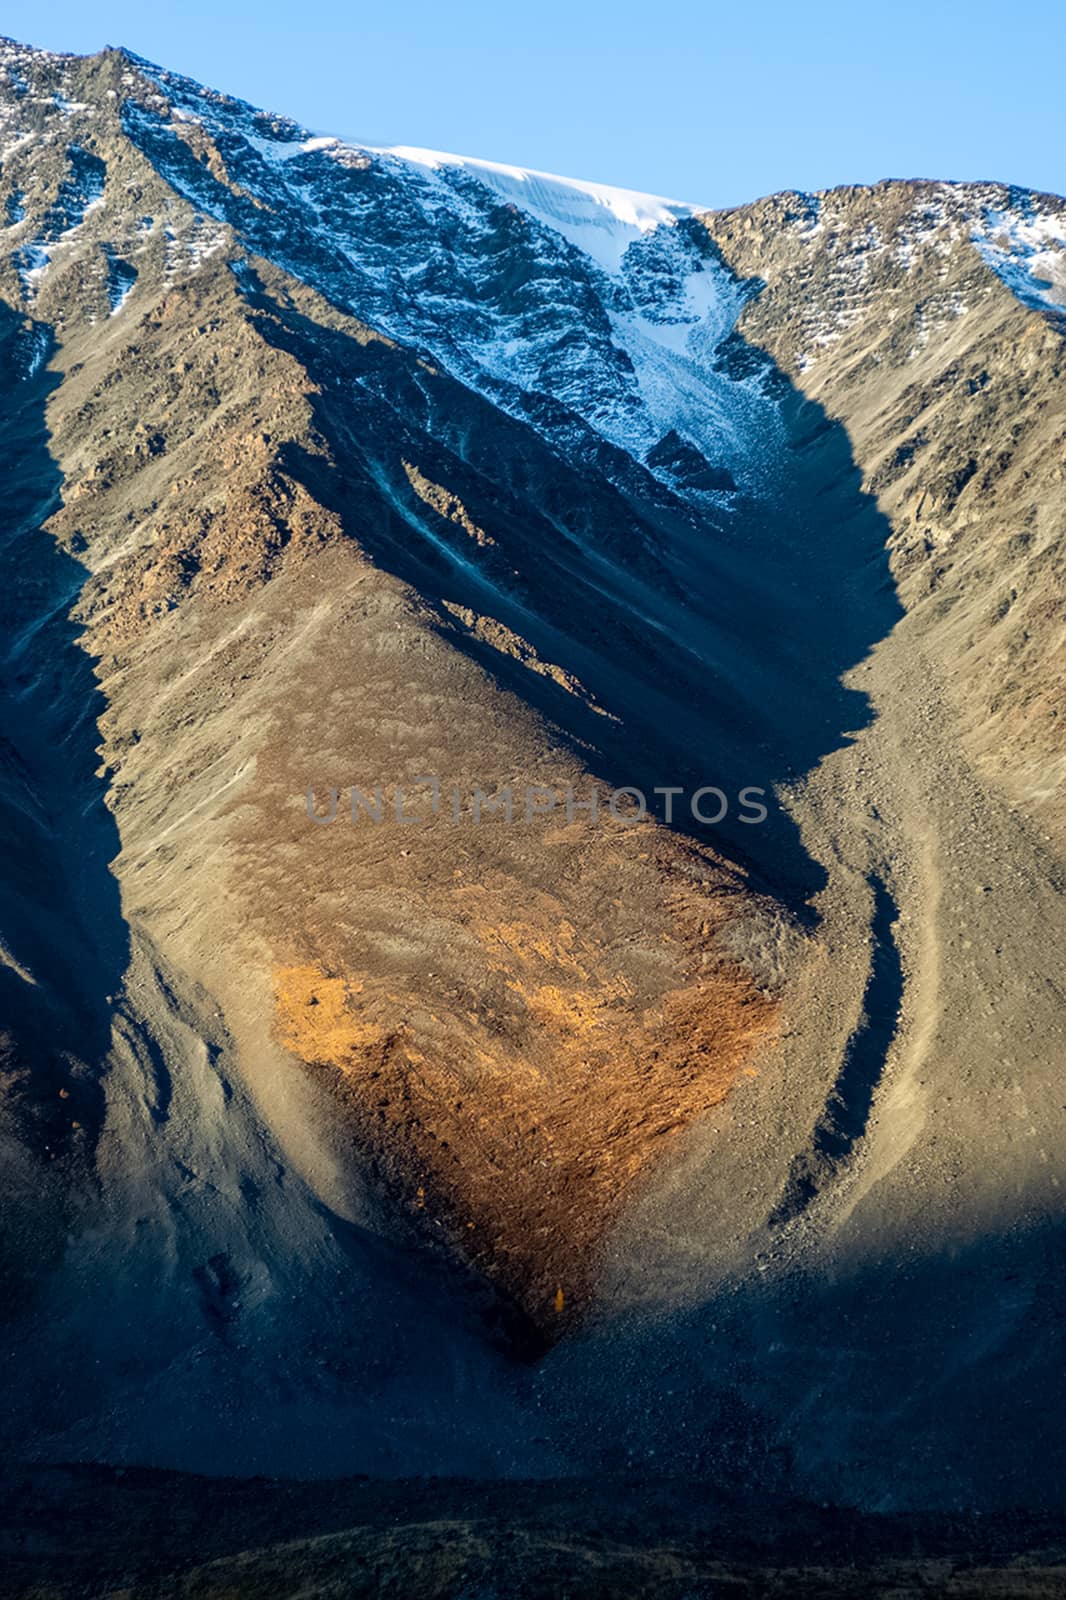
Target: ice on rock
[[80, 192], [1026, 247], [121, 277], [598, 219]]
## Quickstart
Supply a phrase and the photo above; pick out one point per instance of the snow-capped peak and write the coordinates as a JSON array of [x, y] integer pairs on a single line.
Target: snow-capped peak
[[598, 218], [595, 308]]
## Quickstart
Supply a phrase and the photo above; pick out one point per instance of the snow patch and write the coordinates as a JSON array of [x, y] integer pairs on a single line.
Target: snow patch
[[597, 218], [121, 277], [31, 264], [31, 351], [1026, 249], [14, 145], [185, 251], [80, 193]]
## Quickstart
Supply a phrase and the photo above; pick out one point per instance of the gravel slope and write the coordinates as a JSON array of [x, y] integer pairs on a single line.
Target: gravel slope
[[501, 1153]]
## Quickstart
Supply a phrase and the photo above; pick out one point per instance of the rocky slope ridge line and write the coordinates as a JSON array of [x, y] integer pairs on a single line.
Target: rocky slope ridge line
[[281, 532]]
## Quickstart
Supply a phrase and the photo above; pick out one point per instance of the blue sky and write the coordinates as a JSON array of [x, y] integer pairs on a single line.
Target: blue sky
[[697, 101]]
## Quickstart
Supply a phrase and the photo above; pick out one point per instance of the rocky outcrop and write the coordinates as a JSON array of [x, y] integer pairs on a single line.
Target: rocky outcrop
[[916, 315]]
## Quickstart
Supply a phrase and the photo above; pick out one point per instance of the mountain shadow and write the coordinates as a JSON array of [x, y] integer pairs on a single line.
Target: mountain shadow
[[715, 642], [920, 1380], [63, 939]]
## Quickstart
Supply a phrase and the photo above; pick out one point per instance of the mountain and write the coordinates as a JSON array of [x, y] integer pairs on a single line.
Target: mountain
[[716, 1134]]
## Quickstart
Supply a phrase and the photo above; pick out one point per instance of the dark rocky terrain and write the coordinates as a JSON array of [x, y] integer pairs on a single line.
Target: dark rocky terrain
[[718, 1162], [428, 1540]]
